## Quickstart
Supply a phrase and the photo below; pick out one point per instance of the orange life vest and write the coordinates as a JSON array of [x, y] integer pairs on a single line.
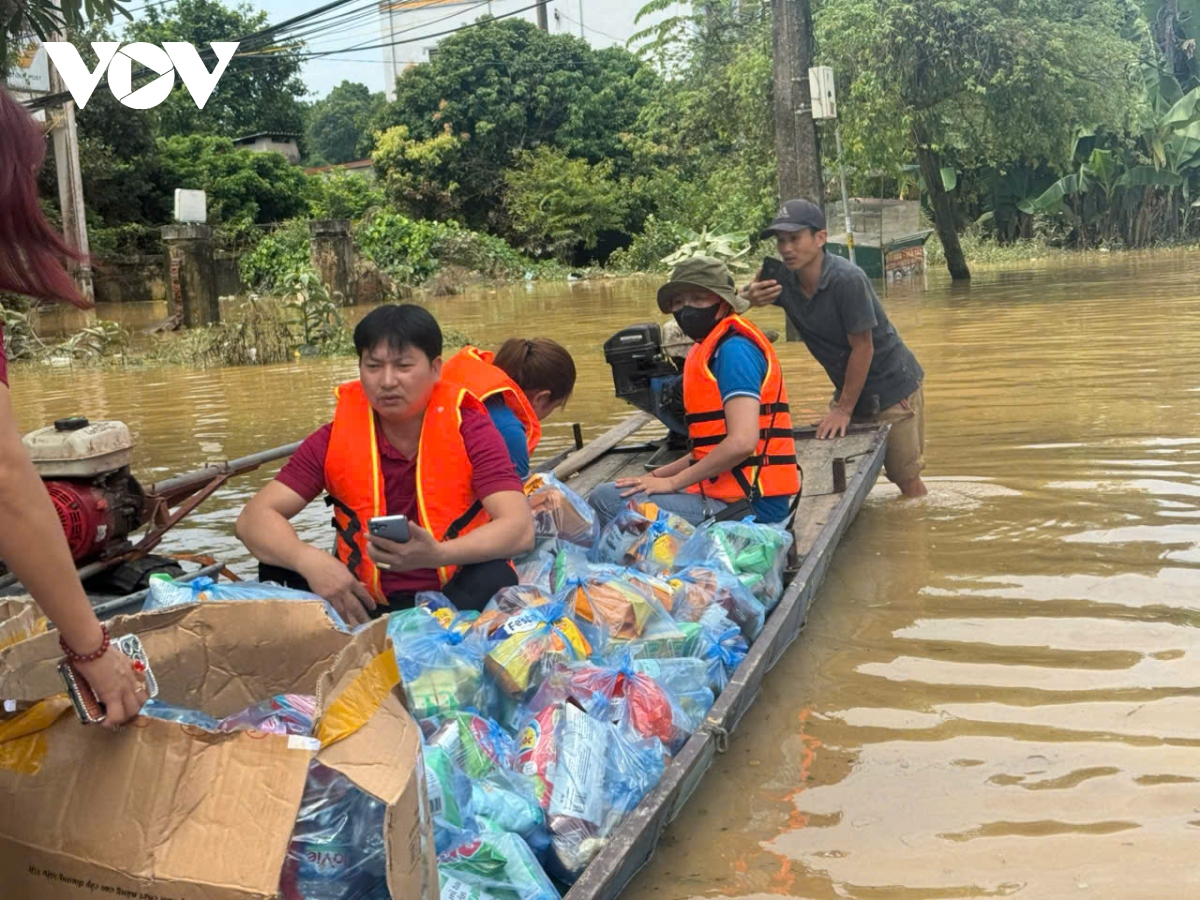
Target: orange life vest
[[772, 470], [446, 503], [475, 369]]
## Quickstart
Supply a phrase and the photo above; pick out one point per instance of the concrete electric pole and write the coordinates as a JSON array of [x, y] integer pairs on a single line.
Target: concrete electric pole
[[796, 148]]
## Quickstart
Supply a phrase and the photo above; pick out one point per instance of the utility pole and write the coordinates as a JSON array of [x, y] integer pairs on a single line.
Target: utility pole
[[796, 145], [543, 18], [797, 150], [70, 185]]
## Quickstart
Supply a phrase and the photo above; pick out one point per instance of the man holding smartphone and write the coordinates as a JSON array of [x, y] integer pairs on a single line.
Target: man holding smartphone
[[834, 307], [402, 443]]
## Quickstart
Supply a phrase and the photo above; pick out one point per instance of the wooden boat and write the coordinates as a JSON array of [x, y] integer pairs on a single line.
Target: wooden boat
[[837, 476]]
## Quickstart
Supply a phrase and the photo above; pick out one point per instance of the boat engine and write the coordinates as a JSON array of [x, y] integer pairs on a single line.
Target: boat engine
[[85, 467]]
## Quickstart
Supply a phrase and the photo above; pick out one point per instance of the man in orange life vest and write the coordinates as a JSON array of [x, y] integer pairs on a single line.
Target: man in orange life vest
[[736, 410], [402, 441]]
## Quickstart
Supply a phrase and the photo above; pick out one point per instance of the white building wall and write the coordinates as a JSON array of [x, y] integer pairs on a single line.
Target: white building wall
[[602, 23]]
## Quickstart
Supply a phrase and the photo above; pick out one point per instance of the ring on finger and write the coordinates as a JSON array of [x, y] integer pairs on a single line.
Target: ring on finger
[[385, 566]]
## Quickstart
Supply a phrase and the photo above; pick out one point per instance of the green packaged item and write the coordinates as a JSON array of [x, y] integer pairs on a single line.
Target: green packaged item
[[441, 668], [493, 866], [685, 643], [756, 554]]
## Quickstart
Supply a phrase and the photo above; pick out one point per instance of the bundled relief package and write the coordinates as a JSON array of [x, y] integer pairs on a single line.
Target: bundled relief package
[[699, 588], [440, 660], [497, 796], [722, 647], [755, 554], [559, 512], [189, 812], [643, 536], [492, 865], [621, 695], [590, 774], [622, 609], [528, 635]]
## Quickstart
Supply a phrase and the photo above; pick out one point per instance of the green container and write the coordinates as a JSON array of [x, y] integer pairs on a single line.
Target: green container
[[899, 256]]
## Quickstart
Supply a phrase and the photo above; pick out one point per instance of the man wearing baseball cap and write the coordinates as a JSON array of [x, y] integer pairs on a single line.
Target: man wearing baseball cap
[[834, 307], [742, 458]]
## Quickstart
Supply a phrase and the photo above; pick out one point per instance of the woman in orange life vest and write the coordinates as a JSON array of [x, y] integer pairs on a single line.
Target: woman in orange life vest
[[736, 409], [402, 441], [521, 384]]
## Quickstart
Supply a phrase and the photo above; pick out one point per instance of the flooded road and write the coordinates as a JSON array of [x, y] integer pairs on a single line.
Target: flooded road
[[998, 693]]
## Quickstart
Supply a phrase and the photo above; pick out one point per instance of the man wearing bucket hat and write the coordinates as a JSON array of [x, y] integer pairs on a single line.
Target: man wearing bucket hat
[[742, 458], [834, 307]]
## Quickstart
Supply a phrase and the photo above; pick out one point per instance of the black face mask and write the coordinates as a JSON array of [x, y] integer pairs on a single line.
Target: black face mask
[[696, 321]]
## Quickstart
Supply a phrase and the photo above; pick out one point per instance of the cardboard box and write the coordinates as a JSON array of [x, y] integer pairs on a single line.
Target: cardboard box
[[18, 620], [162, 811]]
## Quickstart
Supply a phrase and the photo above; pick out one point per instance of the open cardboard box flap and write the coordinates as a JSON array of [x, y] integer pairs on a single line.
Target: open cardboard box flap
[[163, 810]]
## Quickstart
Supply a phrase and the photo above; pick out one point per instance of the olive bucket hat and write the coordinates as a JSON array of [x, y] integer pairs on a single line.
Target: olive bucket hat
[[701, 272]]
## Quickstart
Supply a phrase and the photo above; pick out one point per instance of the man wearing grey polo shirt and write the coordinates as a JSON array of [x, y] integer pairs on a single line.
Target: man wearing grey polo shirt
[[834, 307]]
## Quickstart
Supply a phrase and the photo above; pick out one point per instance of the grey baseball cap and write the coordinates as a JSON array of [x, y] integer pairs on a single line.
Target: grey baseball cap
[[796, 215]]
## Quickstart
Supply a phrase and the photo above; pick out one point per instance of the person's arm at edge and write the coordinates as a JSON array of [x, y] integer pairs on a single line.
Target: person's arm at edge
[[37, 553]]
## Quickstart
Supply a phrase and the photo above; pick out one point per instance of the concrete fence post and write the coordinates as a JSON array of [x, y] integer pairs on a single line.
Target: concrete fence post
[[332, 250], [193, 280]]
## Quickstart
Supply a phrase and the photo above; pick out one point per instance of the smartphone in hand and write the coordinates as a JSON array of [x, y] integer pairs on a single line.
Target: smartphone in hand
[[393, 528]]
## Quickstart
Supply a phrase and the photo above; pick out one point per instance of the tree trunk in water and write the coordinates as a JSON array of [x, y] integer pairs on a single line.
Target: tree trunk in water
[[944, 218]]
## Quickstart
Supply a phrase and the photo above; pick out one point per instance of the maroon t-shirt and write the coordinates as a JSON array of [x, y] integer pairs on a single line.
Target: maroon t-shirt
[[491, 472], [3, 360]]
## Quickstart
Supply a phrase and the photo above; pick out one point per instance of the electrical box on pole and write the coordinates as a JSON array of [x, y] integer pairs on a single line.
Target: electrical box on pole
[[822, 92]]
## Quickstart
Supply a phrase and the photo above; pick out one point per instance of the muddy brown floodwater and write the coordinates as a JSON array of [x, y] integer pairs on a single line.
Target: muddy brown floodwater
[[998, 693]]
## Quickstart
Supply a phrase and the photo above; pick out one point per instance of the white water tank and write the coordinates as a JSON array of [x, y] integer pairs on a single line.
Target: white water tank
[[77, 448]]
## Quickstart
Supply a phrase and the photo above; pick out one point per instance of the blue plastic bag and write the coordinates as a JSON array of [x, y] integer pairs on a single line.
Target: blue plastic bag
[[559, 512], [441, 670], [687, 680], [722, 647], [755, 554], [643, 536], [492, 865], [156, 709], [598, 776], [699, 588], [167, 592]]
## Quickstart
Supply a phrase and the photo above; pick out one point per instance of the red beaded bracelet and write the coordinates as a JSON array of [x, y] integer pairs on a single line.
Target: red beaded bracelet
[[76, 657]]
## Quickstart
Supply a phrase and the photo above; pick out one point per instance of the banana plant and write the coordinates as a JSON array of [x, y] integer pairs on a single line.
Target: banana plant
[[729, 248]]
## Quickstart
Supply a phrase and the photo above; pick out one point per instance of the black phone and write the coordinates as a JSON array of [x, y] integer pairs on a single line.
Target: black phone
[[774, 270], [393, 528]]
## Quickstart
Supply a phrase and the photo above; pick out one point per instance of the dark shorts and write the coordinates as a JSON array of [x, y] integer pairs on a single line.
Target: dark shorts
[[470, 588]]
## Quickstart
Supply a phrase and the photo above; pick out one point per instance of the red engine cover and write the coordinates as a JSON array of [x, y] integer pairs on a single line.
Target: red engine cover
[[85, 514]]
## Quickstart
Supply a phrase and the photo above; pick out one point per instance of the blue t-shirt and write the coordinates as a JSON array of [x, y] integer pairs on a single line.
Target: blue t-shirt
[[740, 368], [512, 431]]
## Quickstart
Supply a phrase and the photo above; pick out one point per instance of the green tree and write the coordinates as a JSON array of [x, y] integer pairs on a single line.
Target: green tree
[[338, 125], [20, 18], [504, 87], [704, 146], [559, 204], [969, 84], [256, 93], [242, 186]]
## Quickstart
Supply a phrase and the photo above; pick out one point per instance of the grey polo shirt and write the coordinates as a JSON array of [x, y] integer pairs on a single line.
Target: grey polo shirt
[[846, 303]]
